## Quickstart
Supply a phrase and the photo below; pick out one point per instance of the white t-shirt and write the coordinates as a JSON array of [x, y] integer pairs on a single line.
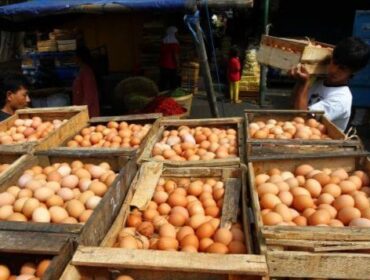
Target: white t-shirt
[[336, 102]]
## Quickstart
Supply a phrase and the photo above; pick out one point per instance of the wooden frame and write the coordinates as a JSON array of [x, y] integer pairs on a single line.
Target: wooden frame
[[268, 148], [17, 248], [92, 232], [158, 265], [14, 160], [322, 252], [77, 117], [285, 53], [137, 119], [236, 123]]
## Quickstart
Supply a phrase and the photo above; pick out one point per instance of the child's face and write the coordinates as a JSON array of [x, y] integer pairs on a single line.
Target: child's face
[[338, 74], [18, 99]]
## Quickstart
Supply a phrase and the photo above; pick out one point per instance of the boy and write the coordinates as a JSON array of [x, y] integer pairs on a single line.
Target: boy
[[332, 95], [14, 95], [233, 73]]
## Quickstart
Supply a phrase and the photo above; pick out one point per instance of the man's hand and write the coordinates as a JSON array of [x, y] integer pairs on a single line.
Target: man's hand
[[299, 72]]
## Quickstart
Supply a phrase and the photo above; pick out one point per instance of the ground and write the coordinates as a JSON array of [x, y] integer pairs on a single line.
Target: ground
[[276, 100]]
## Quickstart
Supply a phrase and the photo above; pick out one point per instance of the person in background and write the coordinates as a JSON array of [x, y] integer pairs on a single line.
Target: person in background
[[14, 94], [169, 60], [85, 89], [332, 94], [233, 74]]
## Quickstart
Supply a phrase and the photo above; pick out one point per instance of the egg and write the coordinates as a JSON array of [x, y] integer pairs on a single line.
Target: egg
[[359, 222], [57, 214], [41, 215], [190, 240], [167, 244], [343, 201], [303, 169], [30, 205], [332, 189], [237, 247], [43, 193], [167, 230], [347, 186], [223, 235], [321, 216], [269, 201], [6, 199], [4, 272], [217, 248], [176, 199], [205, 230], [301, 202], [17, 217], [267, 188], [6, 211], [92, 202], [325, 198], [66, 194], [347, 214], [184, 231], [98, 188], [54, 176], [75, 208], [361, 202]]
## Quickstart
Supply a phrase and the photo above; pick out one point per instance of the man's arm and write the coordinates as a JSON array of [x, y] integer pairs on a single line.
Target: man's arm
[[300, 90]]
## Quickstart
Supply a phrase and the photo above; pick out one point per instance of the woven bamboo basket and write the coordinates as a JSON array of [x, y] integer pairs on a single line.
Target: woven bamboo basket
[[185, 101]]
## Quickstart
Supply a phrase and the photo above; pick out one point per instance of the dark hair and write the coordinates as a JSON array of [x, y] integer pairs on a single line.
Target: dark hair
[[11, 82], [84, 54], [234, 51], [352, 53]]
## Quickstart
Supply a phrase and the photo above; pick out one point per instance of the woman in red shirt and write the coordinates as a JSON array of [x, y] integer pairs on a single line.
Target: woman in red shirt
[[85, 90], [169, 60], [233, 73]]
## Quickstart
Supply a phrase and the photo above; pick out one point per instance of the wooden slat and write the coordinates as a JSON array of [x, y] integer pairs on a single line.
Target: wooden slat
[[320, 265], [182, 261], [32, 242], [231, 202], [145, 186]]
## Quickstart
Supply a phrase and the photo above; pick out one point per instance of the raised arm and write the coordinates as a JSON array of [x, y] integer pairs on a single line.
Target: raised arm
[[300, 90]]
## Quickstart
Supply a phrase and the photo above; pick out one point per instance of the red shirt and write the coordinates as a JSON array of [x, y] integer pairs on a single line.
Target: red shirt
[[85, 91], [168, 53], [234, 69]]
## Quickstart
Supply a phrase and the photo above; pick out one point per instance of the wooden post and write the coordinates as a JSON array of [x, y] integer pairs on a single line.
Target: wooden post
[[206, 73]]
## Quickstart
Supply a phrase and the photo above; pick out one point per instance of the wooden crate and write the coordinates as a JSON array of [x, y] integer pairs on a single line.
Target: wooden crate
[[269, 148], [99, 222], [314, 252], [17, 248], [167, 123], [160, 265], [285, 53], [125, 153], [77, 117], [14, 160]]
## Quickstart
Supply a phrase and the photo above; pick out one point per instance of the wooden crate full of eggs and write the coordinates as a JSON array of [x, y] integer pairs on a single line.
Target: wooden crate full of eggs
[[177, 224], [30, 130], [196, 142], [285, 53], [64, 194], [121, 134], [313, 214], [276, 132], [31, 255]]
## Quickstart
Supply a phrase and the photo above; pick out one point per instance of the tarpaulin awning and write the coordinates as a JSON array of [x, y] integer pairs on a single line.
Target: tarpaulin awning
[[48, 7]]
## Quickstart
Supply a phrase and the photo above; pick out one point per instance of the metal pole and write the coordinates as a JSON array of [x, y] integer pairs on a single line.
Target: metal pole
[[206, 73], [263, 73]]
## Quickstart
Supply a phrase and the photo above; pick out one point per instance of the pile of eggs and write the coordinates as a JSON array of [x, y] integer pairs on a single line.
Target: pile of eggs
[[25, 130], [183, 215], [124, 277], [60, 193], [113, 135], [199, 143], [298, 128], [28, 271], [314, 197]]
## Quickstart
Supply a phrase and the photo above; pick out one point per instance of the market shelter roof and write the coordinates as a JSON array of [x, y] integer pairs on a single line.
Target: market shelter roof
[[36, 8]]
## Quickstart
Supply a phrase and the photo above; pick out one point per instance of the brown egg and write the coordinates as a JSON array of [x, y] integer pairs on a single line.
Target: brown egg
[[218, 248], [205, 230], [284, 212], [146, 229], [6, 199], [213, 211], [271, 218], [196, 221], [58, 214], [98, 188], [332, 189], [184, 231], [164, 209], [356, 180], [301, 202], [85, 215], [340, 173], [28, 268], [149, 214], [177, 219], [303, 169], [204, 244], [128, 242], [365, 213], [300, 191], [167, 244], [54, 176], [238, 234], [283, 186], [269, 201], [70, 220], [177, 200], [286, 197], [361, 202], [267, 188], [300, 221], [190, 240], [17, 217], [4, 272], [160, 197], [261, 178], [325, 198], [75, 208], [167, 230], [43, 194], [218, 193], [333, 212], [343, 201], [347, 186], [321, 216], [363, 176], [223, 236], [308, 212], [85, 196], [66, 194], [335, 223], [29, 207], [237, 247], [314, 187], [195, 188], [133, 220], [92, 202], [347, 214]]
